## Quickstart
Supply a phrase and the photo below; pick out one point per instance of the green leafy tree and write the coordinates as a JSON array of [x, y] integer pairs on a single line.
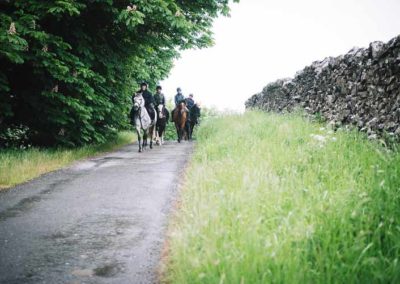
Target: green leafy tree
[[69, 67]]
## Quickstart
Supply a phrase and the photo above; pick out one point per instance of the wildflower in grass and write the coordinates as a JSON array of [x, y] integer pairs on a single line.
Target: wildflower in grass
[[319, 138]]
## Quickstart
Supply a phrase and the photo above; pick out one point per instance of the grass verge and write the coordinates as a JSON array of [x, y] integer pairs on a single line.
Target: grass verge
[[17, 166], [277, 199]]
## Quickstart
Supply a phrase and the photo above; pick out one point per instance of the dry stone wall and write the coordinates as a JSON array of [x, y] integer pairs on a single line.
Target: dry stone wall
[[361, 88]]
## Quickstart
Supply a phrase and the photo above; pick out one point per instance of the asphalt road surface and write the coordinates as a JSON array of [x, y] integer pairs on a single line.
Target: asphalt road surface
[[102, 220]]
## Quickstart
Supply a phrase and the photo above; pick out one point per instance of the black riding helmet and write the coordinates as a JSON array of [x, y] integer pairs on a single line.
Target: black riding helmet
[[144, 84], [158, 87]]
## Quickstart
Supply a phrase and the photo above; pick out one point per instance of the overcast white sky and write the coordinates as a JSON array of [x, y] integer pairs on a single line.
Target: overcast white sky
[[265, 40]]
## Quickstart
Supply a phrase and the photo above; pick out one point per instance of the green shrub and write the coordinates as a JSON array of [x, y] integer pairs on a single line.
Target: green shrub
[[70, 67]]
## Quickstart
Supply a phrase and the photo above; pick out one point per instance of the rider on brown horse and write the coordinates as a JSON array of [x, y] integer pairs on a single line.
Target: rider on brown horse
[[179, 98]]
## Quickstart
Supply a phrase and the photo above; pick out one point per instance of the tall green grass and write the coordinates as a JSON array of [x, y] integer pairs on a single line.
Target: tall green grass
[[277, 199], [17, 166]]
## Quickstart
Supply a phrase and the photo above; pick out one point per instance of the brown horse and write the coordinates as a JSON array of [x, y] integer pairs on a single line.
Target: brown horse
[[180, 118]]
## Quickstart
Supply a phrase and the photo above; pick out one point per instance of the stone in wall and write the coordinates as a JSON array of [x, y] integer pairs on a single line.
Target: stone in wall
[[360, 88]]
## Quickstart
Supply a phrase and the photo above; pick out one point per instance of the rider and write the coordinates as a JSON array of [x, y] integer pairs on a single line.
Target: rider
[[179, 98], [190, 102], [159, 97], [148, 100]]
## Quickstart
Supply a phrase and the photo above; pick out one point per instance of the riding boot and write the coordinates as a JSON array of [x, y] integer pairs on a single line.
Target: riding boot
[[152, 114]]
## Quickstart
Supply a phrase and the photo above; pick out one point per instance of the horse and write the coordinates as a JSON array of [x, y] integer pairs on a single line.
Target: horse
[[194, 115], [162, 120], [180, 118], [141, 120]]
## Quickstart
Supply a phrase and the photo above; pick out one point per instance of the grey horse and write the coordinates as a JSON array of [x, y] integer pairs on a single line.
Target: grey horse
[[140, 119]]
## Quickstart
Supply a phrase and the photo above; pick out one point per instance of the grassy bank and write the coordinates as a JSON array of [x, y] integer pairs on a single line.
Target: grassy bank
[[17, 166], [277, 199]]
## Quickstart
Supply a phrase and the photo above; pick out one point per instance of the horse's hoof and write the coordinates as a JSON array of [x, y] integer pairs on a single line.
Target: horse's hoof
[[151, 146], [140, 151]]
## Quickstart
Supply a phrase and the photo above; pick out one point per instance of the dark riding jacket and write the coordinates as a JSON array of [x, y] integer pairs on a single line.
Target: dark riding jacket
[[159, 99], [148, 103], [189, 103], [148, 98], [179, 98]]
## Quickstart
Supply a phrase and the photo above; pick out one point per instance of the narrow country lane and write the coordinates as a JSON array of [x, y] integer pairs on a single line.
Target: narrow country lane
[[101, 220]]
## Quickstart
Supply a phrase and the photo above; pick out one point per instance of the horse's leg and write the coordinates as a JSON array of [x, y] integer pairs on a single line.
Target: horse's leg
[[192, 124], [151, 136], [157, 135], [182, 133], [188, 130], [183, 130], [144, 139], [162, 135], [139, 139], [178, 132], [154, 134]]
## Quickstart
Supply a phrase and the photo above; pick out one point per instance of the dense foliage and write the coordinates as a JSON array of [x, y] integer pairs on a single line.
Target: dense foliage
[[68, 67]]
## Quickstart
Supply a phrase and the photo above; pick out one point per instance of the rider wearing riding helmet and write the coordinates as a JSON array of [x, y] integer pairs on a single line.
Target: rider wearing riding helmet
[[190, 102], [179, 97], [148, 100], [159, 97]]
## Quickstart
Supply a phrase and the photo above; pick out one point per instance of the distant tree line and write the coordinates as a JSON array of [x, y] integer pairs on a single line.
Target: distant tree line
[[69, 67]]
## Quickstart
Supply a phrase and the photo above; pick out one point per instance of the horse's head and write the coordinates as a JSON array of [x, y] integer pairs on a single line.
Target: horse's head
[[160, 110], [138, 101], [182, 106]]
